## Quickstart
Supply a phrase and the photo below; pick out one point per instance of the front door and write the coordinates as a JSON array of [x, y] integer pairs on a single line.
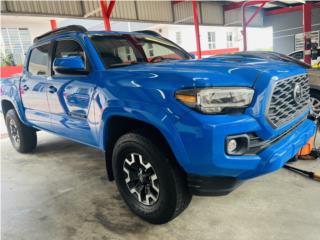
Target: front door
[[34, 85], [70, 97]]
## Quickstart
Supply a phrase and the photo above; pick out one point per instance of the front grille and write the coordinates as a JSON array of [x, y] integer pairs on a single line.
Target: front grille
[[287, 101]]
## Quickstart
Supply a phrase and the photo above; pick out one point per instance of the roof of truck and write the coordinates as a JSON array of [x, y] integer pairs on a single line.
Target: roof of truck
[[81, 29]]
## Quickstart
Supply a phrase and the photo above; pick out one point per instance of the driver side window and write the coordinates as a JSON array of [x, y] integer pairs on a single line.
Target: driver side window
[[67, 48]]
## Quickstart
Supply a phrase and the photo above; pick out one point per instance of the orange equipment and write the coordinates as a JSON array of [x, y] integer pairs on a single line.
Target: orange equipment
[[307, 149]]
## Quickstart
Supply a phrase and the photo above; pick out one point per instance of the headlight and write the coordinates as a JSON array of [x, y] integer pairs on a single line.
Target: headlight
[[216, 99]]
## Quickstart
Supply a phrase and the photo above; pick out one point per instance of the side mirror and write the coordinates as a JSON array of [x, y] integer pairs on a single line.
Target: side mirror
[[193, 56], [69, 65]]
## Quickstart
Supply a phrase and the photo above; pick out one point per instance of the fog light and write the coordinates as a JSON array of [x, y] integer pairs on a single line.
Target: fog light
[[237, 145], [232, 145]]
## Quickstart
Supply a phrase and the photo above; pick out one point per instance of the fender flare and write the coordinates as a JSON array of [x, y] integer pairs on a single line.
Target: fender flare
[[18, 107], [166, 127]]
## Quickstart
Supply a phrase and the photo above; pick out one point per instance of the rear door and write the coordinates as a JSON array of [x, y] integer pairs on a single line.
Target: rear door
[[34, 86], [70, 96]]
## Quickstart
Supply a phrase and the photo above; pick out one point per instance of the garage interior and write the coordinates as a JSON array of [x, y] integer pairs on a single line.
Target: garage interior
[[54, 195], [62, 192]]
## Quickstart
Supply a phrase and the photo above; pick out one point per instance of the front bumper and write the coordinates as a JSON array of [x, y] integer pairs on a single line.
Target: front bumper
[[212, 186], [204, 142], [275, 156]]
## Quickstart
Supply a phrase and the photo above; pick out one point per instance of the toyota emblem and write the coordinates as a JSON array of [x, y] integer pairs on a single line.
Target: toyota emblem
[[297, 93]]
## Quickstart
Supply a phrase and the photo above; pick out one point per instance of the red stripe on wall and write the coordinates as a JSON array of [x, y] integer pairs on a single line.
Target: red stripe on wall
[[8, 71], [218, 51]]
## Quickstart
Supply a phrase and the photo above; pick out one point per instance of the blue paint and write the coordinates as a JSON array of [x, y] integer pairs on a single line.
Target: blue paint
[[71, 63], [81, 106]]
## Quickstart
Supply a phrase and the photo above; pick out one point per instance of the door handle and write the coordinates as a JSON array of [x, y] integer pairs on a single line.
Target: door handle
[[25, 87], [52, 89]]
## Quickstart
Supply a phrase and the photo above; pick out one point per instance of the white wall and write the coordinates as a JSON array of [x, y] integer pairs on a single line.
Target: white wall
[[258, 38], [188, 35], [17, 34], [36, 25]]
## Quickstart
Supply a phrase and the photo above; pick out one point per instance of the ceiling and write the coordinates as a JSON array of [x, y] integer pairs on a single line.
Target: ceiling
[[172, 12]]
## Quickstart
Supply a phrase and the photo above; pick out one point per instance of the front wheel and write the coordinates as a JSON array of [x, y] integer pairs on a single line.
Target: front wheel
[[315, 101], [23, 138], [153, 187]]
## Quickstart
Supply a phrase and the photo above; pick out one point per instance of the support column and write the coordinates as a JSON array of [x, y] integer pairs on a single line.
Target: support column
[[244, 31], [196, 27], [246, 23], [106, 19], [307, 12]]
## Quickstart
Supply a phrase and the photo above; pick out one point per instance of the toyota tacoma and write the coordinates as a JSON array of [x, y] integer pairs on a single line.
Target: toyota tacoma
[[170, 126]]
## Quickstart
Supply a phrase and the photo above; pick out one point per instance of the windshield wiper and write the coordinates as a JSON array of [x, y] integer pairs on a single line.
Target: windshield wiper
[[162, 59], [123, 64]]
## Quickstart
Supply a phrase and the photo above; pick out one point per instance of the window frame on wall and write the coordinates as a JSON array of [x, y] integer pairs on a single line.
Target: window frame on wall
[[178, 38], [15, 41], [229, 40], [211, 40], [299, 40]]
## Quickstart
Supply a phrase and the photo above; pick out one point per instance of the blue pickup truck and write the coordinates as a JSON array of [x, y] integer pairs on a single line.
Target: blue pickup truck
[[170, 126]]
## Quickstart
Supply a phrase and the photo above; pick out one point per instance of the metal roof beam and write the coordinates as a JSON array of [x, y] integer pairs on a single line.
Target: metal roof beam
[[6, 6], [91, 13], [82, 8], [280, 4], [289, 9], [177, 1], [237, 5], [133, 10], [110, 7]]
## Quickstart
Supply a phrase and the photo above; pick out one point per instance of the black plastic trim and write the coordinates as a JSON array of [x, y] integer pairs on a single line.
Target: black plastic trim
[[243, 149], [212, 186], [71, 28], [149, 32], [256, 148]]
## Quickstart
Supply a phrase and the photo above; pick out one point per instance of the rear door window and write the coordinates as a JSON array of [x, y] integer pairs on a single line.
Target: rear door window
[[39, 60]]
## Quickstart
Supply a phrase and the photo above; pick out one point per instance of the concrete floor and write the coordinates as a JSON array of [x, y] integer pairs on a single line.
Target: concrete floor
[[60, 192]]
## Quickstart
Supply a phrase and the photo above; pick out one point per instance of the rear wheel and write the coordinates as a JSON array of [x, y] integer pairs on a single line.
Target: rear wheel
[[23, 138], [153, 187]]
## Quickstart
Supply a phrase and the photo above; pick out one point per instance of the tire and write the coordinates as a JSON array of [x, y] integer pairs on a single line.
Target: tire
[[315, 100], [158, 172], [22, 137]]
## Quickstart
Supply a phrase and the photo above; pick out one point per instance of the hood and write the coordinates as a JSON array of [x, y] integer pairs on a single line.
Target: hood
[[155, 84], [152, 83], [216, 71]]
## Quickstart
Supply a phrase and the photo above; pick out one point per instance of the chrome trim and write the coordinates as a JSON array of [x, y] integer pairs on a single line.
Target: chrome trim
[[284, 112]]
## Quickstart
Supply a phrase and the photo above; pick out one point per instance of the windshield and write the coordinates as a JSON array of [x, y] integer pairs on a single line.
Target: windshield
[[124, 50]]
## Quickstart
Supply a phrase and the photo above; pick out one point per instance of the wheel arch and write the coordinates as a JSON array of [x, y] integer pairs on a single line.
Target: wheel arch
[[117, 125], [6, 105], [315, 90]]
